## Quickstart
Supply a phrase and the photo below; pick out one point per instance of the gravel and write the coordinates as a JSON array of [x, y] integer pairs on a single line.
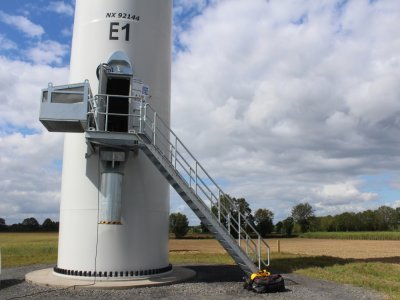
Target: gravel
[[218, 282]]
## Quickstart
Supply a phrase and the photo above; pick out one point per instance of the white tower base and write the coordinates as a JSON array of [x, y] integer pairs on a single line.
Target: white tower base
[[137, 244]]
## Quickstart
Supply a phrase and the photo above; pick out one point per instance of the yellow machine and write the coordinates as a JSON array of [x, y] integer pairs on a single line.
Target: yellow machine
[[261, 273]]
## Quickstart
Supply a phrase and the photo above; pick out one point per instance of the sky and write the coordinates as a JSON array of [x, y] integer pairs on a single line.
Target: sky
[[283, 102]]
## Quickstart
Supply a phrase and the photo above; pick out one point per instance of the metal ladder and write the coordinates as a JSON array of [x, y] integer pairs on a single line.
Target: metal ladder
[[202, 194]]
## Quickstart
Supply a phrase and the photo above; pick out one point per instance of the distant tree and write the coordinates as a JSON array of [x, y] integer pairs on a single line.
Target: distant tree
[[263, 220], [178, 224], [288, 225], [302, 215], [326, 223], [30, 224], [398, 218], [16, 228], [49, 225], [279, 227], [195, 229], [347, 221], [204, 228], [229, 214], [368, 222], [386, 218], [3, 226]]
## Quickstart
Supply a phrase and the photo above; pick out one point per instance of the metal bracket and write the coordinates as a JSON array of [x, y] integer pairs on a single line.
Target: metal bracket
[[91, 150]]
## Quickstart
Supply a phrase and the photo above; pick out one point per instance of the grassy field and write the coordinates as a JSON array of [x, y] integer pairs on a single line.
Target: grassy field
[[21, 249], [378, 272], [368, 235], [380, 275]]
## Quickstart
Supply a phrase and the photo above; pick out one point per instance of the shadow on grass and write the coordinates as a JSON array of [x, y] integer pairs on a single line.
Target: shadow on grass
[[280, 264], [291, 264], [387, 260]]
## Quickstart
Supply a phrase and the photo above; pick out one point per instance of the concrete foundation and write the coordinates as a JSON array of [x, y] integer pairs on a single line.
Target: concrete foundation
[[46, 277]]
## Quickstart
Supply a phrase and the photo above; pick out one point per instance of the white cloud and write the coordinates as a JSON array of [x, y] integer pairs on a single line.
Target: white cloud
[[29, 178], [30, 163], [47, 52], [375, 100], [6, 44], [20, 88], [61, 7], [67, 32], [23, 24], [342, 193], [284, 101]]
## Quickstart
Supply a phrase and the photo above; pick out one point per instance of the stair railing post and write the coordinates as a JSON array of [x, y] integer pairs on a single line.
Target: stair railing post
[[176, 150], [106, 128], [196, 178], [219, 206], [154, 128], [190, 177], [140, 117], [229, 223], [259, 252], [247, 244], [239, 230]]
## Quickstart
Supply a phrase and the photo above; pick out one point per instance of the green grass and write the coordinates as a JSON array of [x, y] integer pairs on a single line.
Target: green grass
[[200, 258], [194, 236], [367, 235], [382, 275], [22, 249]]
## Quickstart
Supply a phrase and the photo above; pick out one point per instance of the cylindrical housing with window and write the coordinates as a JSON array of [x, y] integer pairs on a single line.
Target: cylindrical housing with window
[[110, 198]]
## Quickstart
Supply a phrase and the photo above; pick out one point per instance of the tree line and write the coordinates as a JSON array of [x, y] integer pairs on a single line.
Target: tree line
[[384, 218], [302, 219], [29, 225], [262, 219]]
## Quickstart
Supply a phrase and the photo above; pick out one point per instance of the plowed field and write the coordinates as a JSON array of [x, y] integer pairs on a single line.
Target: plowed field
[[358, 249]]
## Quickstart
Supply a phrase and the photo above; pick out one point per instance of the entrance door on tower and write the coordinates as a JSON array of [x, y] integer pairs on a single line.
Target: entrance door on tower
[[118, 89]]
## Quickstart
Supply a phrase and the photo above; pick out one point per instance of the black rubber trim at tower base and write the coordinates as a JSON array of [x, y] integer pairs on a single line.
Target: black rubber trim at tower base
[[116, 274]]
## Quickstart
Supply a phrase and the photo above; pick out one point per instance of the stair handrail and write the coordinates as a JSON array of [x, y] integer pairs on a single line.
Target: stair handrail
[[148, 113], [149, 119]]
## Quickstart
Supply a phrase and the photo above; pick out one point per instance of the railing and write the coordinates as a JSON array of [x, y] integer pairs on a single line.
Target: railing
[[99, 116], [143, 119]]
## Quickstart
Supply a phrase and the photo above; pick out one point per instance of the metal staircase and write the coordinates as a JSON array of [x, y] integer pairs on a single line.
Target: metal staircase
[[191, 181], [72, 108]]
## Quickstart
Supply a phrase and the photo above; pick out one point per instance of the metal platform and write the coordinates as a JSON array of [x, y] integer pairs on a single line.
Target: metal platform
[[112, 139]]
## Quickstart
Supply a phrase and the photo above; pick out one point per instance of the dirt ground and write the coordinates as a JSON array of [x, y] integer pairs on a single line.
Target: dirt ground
[[358, 249]]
